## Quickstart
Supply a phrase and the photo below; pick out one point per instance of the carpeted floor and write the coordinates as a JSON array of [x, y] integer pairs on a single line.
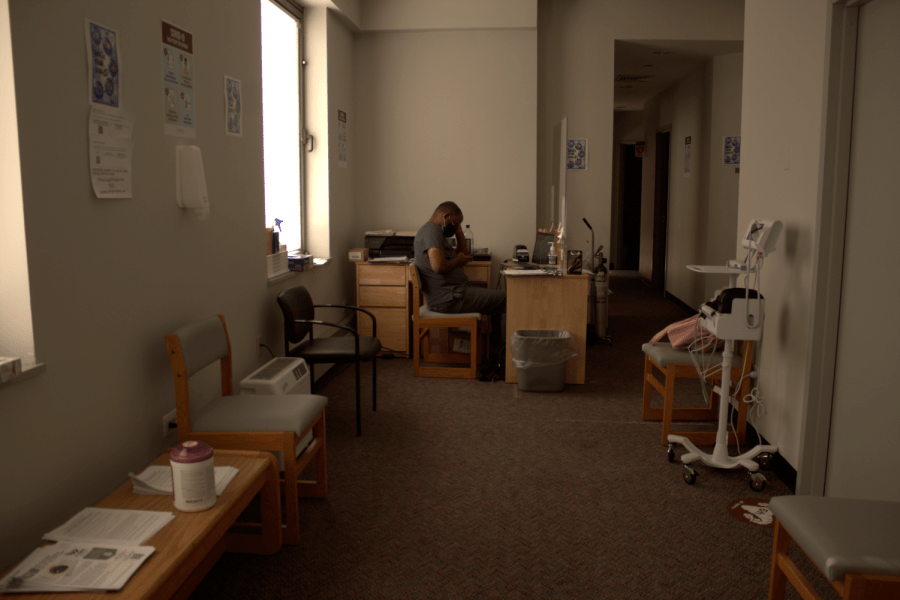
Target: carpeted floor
[[464, 489]]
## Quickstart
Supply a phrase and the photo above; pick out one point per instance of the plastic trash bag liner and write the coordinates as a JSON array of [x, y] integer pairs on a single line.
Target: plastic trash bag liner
[[541, 347]]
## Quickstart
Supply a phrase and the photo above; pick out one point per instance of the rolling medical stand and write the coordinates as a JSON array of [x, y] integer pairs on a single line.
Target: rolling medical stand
[[731, 317]]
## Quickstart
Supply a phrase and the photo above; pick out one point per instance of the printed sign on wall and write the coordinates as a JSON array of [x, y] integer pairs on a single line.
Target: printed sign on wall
[[687, 156], [342, 138], [732, 153], [178, 81], [576, 155]]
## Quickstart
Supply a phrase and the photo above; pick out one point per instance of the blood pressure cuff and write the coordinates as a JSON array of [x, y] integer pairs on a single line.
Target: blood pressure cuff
[[722, 303]]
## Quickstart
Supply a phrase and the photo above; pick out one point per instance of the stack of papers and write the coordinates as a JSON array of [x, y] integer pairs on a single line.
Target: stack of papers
[[158, 480], [390, 259], [98, 549], [76, 567], [115, 526]]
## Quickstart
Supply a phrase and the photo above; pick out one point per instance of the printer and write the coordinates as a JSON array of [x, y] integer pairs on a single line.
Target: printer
[[390, 244]]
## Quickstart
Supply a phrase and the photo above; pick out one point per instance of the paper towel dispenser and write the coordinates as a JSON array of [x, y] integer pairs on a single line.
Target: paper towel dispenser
[[190, 180]]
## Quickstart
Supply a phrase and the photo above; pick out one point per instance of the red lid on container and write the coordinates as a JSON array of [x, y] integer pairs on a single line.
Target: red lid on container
[[190, 452]]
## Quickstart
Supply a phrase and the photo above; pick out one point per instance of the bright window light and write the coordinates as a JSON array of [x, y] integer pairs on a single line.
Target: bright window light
[[281, 122]]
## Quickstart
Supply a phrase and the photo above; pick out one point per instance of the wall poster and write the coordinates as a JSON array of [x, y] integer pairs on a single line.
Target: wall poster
[[233, 118], [110, 144], [342, 139], [687, 156], [178, 82], [576, 155], [732, 153]]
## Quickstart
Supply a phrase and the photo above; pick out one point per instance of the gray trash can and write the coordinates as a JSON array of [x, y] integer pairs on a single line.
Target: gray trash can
[[540, 356]]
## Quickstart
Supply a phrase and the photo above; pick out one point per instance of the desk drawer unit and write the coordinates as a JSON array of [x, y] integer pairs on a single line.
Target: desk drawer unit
[[479, 272], [382, 289]]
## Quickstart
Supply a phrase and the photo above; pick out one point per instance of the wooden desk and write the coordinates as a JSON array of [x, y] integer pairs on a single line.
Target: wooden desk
[[189, 545], [548, 302]]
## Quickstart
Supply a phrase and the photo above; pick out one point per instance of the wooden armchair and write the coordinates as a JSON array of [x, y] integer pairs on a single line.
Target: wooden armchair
[[251, 422]]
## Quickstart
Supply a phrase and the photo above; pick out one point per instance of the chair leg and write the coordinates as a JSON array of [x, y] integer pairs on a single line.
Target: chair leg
[[291, 495], [668, 406], [358, 417], [374, 386], [645, 406]]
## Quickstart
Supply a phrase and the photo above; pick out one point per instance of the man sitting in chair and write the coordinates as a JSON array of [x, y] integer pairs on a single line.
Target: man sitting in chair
[[444, 280]]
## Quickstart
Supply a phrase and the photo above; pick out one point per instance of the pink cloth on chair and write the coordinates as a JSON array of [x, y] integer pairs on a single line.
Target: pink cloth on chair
[[681, 334]]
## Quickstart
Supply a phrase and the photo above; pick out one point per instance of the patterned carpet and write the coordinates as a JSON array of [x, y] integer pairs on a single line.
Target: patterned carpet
[[463, 489]]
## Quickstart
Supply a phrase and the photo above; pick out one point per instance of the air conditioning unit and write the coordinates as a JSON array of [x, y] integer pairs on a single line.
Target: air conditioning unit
[[279, 377]]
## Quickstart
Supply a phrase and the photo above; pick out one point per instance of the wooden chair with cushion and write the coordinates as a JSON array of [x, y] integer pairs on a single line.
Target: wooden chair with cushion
[[277, 424], [677, 364], [854, 543], [444, 363], [299, 317]]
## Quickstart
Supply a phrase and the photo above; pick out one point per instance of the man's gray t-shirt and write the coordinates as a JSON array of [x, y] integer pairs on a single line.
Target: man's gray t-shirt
[[439, 288]]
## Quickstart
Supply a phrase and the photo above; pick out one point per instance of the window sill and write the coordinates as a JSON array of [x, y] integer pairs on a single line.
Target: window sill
[[317, 262], [28, 371]]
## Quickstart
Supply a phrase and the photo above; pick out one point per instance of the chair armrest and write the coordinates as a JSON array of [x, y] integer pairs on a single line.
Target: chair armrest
[[326, 323], [356, 308]]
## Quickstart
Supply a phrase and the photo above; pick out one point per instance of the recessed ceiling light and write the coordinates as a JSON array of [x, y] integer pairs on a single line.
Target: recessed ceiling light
[[661, 52]]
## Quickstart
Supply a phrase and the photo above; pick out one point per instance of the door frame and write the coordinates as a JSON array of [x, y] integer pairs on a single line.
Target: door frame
[[831, 224], [660, 240]]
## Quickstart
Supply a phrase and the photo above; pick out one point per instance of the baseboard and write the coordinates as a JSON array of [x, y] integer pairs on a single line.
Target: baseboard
[[779, 465]]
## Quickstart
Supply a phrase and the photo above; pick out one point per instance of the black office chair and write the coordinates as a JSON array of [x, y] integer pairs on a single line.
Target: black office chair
[[299, 317]]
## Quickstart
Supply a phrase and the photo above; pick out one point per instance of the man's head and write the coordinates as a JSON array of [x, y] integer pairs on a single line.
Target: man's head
[[449, 216]]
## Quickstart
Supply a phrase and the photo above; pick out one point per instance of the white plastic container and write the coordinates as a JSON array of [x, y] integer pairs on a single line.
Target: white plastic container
[[470, 240], [193, 476], [552, 258]]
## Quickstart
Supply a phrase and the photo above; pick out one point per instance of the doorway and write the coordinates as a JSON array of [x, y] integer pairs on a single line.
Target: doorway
[[660, 211], [628, 223]]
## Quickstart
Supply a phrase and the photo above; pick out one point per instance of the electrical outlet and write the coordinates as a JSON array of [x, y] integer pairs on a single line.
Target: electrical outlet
[[170, 417], [259, 347]]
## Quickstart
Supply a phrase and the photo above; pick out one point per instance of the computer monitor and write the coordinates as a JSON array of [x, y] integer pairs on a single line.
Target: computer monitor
[[542, 247]]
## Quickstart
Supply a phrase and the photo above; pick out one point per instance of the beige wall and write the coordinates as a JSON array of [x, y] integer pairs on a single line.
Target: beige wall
[[410, 15], [784, 58], [110, 278], [447, 115], [722, 182]]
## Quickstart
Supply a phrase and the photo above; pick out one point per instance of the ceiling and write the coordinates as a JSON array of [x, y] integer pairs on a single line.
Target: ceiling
[[653, 65]]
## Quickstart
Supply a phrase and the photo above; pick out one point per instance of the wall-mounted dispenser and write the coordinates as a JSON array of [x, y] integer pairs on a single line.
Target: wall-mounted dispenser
[[190, 181]]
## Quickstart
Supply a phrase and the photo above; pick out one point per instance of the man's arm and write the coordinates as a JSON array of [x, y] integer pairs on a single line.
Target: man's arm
[[439, 264]]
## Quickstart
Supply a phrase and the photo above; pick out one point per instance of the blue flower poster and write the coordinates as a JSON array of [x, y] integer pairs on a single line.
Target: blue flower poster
[[105, 65]]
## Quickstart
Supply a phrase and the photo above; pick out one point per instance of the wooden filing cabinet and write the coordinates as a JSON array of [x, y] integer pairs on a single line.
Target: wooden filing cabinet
[[479, 272], [383, 290]]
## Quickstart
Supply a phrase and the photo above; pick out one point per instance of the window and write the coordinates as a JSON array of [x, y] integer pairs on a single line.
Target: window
[[16, 333], [282, 118]]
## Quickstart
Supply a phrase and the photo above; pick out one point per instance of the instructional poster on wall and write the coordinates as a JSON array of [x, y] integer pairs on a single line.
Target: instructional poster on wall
[[576, 155], [110, 147], [177, 56], [110, 151], [687, 156], [233, 118], [342, 138]]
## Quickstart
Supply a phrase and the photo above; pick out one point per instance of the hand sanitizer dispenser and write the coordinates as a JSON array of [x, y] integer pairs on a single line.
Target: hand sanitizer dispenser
[[190, 181]]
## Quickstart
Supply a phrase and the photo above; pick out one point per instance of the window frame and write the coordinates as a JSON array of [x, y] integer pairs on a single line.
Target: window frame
[[294, 10]]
